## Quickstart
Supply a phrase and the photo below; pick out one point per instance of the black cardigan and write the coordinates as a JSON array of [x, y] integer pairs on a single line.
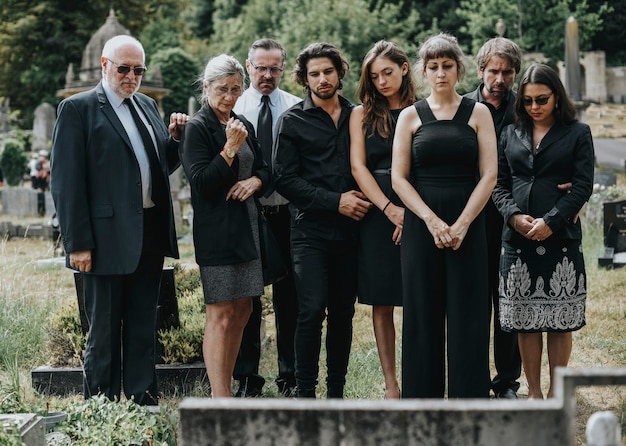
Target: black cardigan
[[221, 229], [527, 184]]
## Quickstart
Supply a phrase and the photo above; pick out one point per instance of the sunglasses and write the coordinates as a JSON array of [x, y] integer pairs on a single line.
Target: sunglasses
[[125, 69], [539, 101]]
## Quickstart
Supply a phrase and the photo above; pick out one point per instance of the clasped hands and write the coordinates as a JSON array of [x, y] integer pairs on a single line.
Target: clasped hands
[[446, 236], [531, 228]]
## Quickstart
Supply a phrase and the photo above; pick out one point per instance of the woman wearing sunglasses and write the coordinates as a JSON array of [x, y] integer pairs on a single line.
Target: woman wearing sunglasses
[[542, 271]]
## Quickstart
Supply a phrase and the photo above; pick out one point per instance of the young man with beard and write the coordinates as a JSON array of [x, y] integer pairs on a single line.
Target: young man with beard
[[263, 103], [312, 167]]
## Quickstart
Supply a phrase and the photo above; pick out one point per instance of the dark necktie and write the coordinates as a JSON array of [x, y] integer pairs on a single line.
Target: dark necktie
[[159, 190], [264, 129]]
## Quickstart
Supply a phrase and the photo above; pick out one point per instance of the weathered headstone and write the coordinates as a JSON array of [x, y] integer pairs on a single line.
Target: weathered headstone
[[604, 179], [45, 115], [614, 234], [20, 202]]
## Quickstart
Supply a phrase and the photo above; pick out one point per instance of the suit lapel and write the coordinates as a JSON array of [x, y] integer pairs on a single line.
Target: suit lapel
[[556, 133], [111, 116]]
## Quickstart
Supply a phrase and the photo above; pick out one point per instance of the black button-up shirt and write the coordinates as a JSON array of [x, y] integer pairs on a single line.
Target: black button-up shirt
[[312, 167]]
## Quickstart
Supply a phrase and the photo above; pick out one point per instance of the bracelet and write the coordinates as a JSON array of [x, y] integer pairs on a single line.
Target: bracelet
[[387, 205]]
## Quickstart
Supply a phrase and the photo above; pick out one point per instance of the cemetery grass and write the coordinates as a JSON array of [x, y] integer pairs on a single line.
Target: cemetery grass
[[30, 293]]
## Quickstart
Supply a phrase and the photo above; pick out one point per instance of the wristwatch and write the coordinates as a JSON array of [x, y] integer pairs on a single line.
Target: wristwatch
[[229, 152]]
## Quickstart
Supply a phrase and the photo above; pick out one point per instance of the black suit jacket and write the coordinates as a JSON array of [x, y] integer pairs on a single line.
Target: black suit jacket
[[96, 182], [221, 229], [527, 184]]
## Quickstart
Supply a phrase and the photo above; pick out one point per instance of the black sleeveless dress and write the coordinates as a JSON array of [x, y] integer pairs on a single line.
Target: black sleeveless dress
[[444, 291], [380, 281]]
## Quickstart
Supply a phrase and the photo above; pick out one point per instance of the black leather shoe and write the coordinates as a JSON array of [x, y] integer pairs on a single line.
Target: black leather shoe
[[507, 394], [285, 389], [305, 393], [247, 391]]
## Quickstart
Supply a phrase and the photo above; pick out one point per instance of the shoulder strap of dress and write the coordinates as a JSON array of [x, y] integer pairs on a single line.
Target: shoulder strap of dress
[[424, 111], [465, 110]]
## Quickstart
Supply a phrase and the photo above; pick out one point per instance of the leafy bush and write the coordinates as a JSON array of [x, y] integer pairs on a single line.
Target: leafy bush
[[13, 161], [66, 342], [99, 421], [183, 345], [594, 210]]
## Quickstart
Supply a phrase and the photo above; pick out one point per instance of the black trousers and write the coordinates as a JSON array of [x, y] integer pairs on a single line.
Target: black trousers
[[122, 314], [505, 350], [325, 274], [285, 311]]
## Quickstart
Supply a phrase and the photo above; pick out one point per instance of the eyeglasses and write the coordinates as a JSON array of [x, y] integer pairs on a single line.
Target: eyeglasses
[[543, 100], [223, 91], [274, 71], [125, 69]]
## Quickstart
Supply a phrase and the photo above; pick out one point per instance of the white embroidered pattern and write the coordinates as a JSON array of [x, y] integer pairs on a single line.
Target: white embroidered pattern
[[560, 308]]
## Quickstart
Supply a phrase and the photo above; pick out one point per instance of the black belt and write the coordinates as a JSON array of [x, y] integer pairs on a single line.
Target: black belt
[[382, 171], [271, 210]]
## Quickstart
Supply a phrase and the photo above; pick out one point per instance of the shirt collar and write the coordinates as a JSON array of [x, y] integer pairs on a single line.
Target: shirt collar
[[256, 95], [114, 99]]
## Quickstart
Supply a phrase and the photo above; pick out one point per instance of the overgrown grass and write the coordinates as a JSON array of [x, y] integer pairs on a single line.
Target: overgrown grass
[[31, 293]]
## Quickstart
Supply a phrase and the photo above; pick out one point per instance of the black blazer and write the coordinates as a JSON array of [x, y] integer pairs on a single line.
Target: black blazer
[[222, 233], [527, 184], [96, 183]]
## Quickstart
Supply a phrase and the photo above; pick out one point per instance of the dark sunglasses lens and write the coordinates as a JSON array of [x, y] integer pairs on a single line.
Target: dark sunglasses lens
[[540, 101], [125, 69]]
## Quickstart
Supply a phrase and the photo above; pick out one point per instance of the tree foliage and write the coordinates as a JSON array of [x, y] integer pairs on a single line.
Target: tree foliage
[[179, 70], [39, 38], [535, 25], [355, 26]]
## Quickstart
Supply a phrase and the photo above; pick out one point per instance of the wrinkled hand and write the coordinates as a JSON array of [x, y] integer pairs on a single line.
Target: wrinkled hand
[[440, 231], [177, 124], [81, 260], [242, 190], [539, 230], [458, 231], [354, 204], [236, 134]]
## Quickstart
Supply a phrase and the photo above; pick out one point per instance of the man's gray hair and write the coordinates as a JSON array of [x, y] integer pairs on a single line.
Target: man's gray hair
[[114, 43]]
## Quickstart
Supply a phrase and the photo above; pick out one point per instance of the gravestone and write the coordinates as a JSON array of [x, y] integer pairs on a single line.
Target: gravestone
[[45, 115], [604, 179], [614, 234], [20, 202]]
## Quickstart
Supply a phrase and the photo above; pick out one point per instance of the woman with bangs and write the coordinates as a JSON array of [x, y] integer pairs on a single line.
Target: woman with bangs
[[444, 169], [386, 87]]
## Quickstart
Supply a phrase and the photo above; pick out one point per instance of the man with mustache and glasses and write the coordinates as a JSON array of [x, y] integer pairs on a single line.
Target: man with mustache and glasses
[[262, 104], [499, 61], [312, 168], [111, 158]]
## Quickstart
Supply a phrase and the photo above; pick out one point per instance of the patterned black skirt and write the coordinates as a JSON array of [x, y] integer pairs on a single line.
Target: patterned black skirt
[[543, 286]]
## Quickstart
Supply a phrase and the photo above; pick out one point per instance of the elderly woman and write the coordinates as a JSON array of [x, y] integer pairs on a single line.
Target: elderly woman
[[542, 271], [226, 172]]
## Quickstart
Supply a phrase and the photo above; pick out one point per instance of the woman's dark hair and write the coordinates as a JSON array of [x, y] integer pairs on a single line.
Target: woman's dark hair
[[376, 114], [315, 51], [564, 110]]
